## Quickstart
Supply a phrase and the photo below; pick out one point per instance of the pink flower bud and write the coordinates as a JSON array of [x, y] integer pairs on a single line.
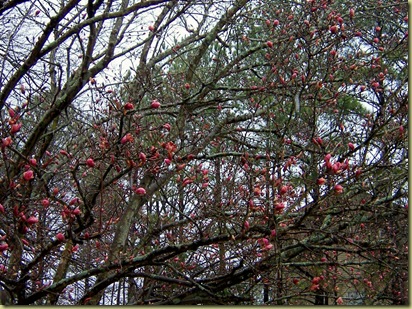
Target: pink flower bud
[[155, 104], [127, 138], [338, 189], [90, 162], [32, 220], [142, 157], [5, 142], [283, 190], [128, 106], [279, 207], [28, 175], [15, 128], [140, 191], [167, 126], [60, 237]]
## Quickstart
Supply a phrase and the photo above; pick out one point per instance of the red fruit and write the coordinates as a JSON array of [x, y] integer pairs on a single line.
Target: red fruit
[[151, 28], [76, 211], [128, 106], [140, 191], [168, 161], [33, 162], [376, 40], [316, 280], [269, 44], [28, 175], [247, 225], [327, 157], [32, 220], [338, 189], [321, 181], [1, 208], [272, 233], [323, 260], [4, 247], [276, 22], [351, 146], [90, 162], [351, 13], [37, 13], [187, 86], [155, 104], [333, 29], [60, 237]]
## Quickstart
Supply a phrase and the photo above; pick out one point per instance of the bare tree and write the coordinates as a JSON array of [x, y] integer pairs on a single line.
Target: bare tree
[[193, 152]]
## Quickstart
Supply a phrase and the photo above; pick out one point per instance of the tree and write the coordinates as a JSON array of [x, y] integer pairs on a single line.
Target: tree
[[192, 152]]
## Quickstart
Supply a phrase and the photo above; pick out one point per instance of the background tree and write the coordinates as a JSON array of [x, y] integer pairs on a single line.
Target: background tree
[[192, 152]]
